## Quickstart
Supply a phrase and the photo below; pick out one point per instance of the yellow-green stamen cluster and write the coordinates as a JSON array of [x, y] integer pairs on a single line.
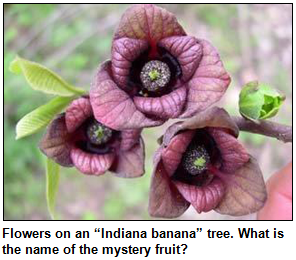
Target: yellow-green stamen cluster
[[97, 133], [196, 159], [200, 161], [155, 75]]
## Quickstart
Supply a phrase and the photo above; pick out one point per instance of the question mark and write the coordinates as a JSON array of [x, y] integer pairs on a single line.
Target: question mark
[[184, 248]]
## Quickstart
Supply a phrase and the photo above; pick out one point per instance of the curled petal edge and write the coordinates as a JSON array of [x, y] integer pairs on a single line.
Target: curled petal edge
[[203, 199], [91, 164], [212, 117], [77, 112], [164, 107], [172, 154], [56, 144], [149, 22], [188, 52], [124, 52], [233, 153]]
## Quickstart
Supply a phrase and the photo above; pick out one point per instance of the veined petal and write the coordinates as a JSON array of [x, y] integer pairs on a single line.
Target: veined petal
[[113, 107], [233, 154], [124, 52], [164, 200], [208, 83], [149, 22], [130, 163], [245, 190], [77, 112], [165, 107], [203, 199], [186, 50], [129, 138], [212, 117], [172, 154], [92, 164], [55, 143]]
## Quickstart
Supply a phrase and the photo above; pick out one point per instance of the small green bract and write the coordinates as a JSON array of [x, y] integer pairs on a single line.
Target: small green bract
[[259, 101]]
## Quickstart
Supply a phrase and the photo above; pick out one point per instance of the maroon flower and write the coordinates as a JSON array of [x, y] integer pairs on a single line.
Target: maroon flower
[[200, 162], [156, 72], [75, 138]]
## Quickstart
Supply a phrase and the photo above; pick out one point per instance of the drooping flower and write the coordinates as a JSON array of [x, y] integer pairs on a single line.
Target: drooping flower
[[76, 138], [201, 163], [156, 72]]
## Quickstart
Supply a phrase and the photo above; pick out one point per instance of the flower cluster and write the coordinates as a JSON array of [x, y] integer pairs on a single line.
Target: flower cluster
[[76, 138], [200, 162], [157, 72]]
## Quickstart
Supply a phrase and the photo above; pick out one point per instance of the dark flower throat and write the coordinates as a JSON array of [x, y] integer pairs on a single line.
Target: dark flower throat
[[154, 76], [198, 160], [96, 138]]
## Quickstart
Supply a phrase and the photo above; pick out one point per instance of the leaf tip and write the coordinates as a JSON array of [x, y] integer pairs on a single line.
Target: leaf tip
[[14, 66], [17, 132], [19, 136]]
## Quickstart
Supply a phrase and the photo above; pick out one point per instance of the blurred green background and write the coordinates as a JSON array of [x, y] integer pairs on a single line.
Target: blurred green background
[[254, 41]]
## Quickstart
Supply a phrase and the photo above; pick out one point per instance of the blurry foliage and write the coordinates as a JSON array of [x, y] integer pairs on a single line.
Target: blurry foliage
[[72, 39]]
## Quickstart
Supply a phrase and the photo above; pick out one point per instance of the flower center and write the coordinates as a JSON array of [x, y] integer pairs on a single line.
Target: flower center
[[97, 133], [155, 75], [195, 160]]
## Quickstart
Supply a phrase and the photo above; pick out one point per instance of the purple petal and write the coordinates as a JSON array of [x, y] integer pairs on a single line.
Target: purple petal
[[245, 191], [165, 107], [149, 22], [172, 154], [130, 163], [124, 52], [203, 199], [212, 117], [92, 164], [209, 82], [77, 112], [113, 107], [187, 50], [165, 200], [129, 138], [55, 143], [234, 155]]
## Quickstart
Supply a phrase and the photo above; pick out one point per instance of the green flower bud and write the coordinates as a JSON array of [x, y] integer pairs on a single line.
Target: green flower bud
[[259, 101]]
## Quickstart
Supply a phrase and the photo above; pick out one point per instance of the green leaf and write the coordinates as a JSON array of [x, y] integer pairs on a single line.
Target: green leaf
[[42, 79], [41, 117], [52, 185], [259, 101]]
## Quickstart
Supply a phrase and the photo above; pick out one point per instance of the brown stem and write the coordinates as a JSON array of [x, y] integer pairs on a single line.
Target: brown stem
[[264, 127]]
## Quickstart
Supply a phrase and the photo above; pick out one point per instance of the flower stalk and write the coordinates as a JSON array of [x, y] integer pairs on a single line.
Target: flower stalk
[[264, 127]]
